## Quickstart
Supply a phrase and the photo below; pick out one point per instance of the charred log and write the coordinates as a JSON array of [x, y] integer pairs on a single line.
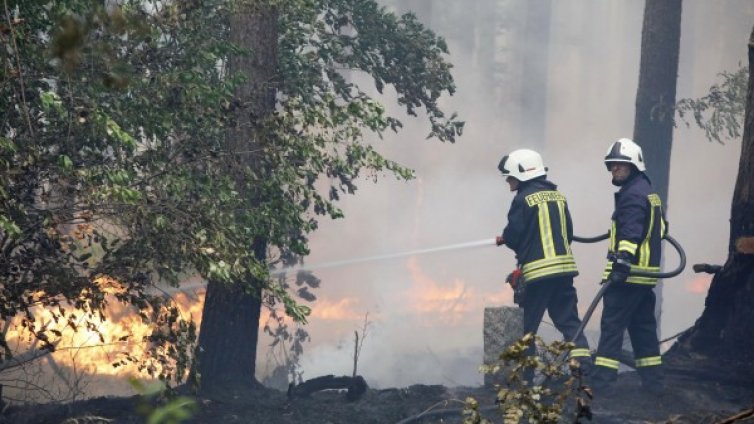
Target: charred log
[[355, 386], [707, 268]]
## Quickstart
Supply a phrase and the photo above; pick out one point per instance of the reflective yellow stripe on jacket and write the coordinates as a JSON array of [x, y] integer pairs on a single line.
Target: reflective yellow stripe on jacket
[[642, 252], [633, 278], [544, 267], [552, 263]]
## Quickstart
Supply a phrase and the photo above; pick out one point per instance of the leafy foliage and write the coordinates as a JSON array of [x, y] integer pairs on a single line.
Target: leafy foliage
[[535, 401], [96, 179], [159, 406], [113, 165], [721, 112]]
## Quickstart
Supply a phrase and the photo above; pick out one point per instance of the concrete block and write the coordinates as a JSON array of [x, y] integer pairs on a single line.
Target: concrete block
[[503, 325]]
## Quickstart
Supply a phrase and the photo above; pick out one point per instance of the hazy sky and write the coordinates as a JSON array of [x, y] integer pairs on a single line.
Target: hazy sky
[[425, 312]]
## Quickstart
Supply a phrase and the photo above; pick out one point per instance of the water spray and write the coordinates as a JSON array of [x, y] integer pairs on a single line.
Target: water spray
[[334, 264]]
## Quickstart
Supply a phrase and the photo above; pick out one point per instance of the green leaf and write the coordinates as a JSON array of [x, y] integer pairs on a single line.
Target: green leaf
[[9, 226], [51, 101], [114, 130], [151, 103], [8, 144], [160, 222], [175, 411], [65, 162]]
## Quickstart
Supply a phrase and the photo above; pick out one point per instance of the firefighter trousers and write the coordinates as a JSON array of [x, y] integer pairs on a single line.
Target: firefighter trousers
[[557, 297], [631, 307]]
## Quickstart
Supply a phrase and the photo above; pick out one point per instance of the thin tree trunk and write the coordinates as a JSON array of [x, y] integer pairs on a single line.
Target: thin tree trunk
[[655, 96], [230, 320], [484, 51], [534, 73]]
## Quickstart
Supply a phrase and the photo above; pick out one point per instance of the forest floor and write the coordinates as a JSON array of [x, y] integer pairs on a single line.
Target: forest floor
[[689, 397]]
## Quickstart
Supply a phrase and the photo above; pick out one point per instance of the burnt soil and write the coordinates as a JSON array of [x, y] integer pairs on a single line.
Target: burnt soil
[[693, 394]]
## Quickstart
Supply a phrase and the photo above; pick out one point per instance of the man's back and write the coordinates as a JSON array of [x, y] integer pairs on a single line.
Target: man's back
[[540, 230]]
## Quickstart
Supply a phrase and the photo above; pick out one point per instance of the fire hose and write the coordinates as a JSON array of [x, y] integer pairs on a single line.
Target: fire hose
[[606, 285], [585, 319], [668, 274]]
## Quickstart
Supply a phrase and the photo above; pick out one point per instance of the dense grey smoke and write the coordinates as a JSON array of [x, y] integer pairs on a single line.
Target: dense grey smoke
[[425, 312]]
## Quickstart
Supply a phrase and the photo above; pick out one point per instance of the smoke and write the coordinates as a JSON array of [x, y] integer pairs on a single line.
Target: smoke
[[425, 312]]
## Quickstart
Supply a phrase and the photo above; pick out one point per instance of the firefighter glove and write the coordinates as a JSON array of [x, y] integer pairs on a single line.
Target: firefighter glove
[[620, 271], [509, 279]]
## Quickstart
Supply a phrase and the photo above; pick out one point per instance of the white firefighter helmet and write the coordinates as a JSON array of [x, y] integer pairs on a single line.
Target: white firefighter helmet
[[625, 150], [523, 165]]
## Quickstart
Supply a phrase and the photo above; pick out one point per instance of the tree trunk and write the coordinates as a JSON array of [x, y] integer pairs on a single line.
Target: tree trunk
[[485, 14], [726, 327], [230, 320], [655, 96], [534, 73]]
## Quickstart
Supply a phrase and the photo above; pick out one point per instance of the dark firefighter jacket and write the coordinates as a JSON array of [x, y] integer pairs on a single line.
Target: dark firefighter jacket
[[540, 231], [638, 227]]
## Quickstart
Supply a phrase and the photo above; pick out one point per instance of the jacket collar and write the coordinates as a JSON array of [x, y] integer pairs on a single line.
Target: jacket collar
[[539, 182], [632, 180]]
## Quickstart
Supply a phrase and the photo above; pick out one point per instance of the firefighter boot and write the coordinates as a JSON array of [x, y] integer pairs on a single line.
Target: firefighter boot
[[651, 380], [585, 371], [602, 381]]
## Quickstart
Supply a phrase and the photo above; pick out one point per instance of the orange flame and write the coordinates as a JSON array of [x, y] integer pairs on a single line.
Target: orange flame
[[342, 309], [503, 297], [699, 284], [94, 350], [446, 303], [124, 331]]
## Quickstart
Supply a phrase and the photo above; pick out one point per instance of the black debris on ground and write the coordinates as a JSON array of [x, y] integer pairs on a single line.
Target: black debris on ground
[[687, 398]]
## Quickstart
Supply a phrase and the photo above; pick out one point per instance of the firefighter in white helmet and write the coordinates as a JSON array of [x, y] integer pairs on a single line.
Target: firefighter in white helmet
[[638, 226], [540, 231]]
